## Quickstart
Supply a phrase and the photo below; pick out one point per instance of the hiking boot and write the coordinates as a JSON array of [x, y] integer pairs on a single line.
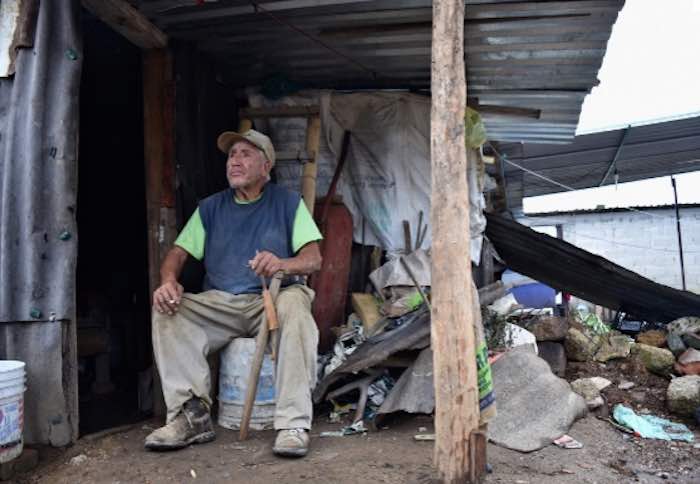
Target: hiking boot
[[191, 426], [292, 443]]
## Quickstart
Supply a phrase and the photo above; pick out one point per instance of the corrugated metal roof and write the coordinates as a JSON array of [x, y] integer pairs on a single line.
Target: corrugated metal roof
[[649, 151], [591, 211], [543, 55]]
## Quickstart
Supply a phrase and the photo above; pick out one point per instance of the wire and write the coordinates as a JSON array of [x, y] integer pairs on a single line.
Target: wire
[[281, 21]]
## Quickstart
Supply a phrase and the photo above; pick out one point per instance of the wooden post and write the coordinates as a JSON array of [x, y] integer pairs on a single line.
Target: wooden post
[[159, 146], [244, 125], [454, 361], [308, 176]]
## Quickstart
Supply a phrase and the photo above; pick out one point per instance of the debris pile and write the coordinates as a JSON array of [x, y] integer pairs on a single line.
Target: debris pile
[[530, 358], [664, 354], [381, 362]]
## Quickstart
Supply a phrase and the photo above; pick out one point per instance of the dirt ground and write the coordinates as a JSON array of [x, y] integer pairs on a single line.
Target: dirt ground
[[392, 455], [388, 456]]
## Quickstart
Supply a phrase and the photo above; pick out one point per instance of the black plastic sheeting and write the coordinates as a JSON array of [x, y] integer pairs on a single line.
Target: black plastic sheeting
[[38, 233], [585, 275]]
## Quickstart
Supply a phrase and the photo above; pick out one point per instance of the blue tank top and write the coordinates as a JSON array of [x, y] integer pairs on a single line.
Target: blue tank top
[[235, 231]]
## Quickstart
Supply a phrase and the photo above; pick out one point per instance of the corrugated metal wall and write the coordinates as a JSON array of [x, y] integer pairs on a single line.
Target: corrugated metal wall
[[38, 232]]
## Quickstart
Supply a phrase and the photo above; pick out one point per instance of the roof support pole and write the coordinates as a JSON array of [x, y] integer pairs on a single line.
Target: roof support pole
[[308, 176], [678, 231], [612, 166], [454, 363]]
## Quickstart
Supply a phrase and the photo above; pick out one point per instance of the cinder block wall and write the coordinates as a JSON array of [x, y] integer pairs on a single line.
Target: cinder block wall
[[642, 243]]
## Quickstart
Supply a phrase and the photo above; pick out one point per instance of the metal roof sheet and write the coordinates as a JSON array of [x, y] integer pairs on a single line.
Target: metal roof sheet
[[593, 211], [542, 55], [648, 151]]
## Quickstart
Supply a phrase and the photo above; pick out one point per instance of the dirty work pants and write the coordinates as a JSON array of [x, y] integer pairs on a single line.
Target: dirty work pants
[[206, 322]]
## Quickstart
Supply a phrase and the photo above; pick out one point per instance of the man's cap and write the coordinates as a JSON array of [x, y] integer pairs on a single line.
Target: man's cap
[[256, 138]]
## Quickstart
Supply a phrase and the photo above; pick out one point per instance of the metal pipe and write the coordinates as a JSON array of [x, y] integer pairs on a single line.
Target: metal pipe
[[678, 229], [617, 154]]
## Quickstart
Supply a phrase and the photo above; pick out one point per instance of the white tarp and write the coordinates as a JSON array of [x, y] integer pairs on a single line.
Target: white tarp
[[386, 178]]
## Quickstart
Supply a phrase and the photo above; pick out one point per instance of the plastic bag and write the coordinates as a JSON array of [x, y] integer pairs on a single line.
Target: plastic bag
[[474, 130]]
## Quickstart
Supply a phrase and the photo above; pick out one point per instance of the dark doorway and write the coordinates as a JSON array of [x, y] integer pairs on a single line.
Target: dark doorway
[[114, 346]]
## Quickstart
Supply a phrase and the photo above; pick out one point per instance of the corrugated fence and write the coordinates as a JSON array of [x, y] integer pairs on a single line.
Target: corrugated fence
[[38, 233]]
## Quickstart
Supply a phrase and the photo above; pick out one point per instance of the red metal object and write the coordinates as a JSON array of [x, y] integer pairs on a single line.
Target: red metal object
[[331, 282]]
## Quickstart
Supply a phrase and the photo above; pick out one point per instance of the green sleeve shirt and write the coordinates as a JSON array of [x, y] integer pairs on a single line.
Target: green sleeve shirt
[[193, 235]]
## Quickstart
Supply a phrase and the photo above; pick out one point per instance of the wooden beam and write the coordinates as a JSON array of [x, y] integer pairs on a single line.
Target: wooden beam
[[128, 21], [280, 112], [159, 146], [452, 333]]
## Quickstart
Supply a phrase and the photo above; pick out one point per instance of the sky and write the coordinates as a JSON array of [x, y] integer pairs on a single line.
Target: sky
[[651, 71]]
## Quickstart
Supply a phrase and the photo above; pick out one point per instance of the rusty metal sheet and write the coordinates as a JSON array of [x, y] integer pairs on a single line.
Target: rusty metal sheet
[[38, 232]]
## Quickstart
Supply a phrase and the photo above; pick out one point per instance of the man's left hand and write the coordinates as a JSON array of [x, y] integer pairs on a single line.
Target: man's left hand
[[266, 264]]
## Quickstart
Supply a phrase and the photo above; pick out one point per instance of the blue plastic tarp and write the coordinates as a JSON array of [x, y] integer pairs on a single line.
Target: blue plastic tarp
[[651, 427]]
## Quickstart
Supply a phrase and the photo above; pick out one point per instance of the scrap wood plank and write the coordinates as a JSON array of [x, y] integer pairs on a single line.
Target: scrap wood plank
[[366, 307]]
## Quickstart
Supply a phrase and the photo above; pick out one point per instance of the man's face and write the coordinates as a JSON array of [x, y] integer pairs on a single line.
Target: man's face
[[246, 165]]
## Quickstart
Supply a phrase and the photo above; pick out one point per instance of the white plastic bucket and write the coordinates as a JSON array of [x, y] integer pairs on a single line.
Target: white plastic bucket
[[12, 388], [234, 372]]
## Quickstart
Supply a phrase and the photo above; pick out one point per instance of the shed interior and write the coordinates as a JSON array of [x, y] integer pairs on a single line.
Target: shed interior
[[113, 304], [529, 66]]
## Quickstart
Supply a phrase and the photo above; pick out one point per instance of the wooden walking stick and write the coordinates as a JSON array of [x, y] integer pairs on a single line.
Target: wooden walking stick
[[268, 325]]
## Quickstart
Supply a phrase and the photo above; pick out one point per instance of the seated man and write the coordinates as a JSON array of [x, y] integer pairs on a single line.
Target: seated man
[[254, 228]]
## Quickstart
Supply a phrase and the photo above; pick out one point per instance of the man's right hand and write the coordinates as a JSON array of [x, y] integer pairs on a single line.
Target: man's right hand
[[166, 298]]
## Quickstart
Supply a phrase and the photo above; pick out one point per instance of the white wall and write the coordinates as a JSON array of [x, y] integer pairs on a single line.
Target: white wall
[[642, 243]]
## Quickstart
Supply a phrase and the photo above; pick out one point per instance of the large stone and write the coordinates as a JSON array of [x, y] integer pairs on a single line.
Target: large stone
[[613, 347], [692, 340], [554, 354], [589, 389], [676, 329], [683, 395], [653, 337], [688, 363], [580, 346], [691, 355], [656, 360], [550, 328], [534, 406]]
